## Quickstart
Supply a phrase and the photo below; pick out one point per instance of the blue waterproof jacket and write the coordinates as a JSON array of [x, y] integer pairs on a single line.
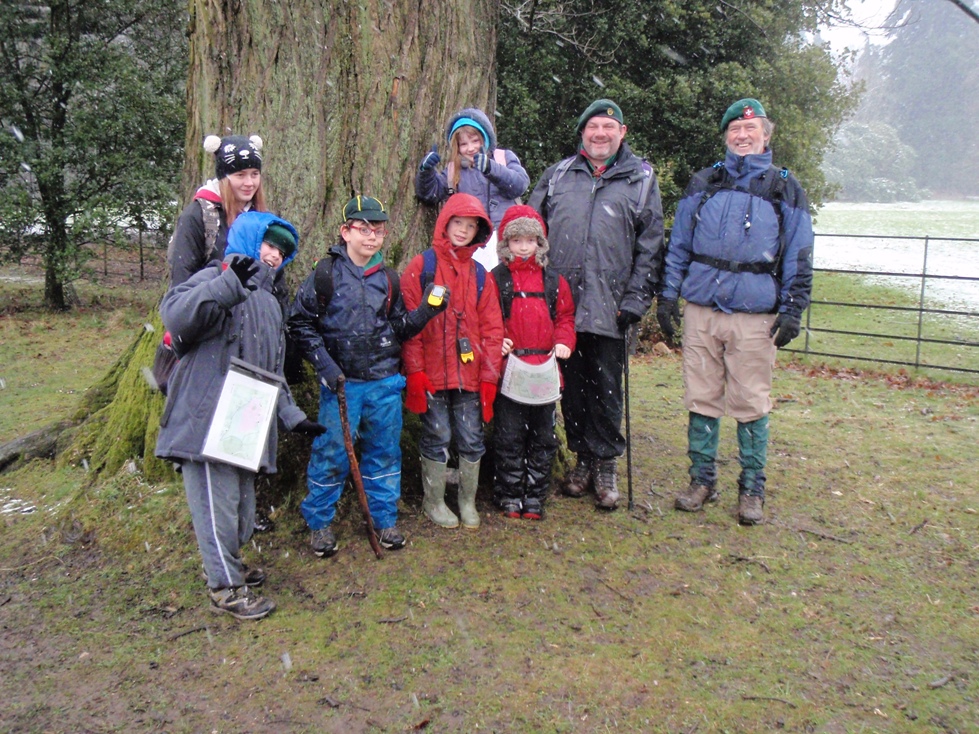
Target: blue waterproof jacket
[[361, 329], [497, 190], [737, 233]]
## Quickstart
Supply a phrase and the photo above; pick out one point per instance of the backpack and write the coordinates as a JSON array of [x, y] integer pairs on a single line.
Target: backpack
[[563, 166], [429, 264], [323, 284], [212, 223], [504, 281], [770, 186]]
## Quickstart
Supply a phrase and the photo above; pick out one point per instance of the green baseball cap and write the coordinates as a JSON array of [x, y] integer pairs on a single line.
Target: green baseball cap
[[746, 108], [365, 208]]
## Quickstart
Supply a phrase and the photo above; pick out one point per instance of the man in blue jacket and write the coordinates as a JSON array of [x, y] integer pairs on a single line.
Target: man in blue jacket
[[740, 254]]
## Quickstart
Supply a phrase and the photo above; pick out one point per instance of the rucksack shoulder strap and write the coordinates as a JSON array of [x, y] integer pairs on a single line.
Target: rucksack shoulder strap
[[212, 224], [562, 168], [323, 282], [394, 287], [504, 284], [552, 286]]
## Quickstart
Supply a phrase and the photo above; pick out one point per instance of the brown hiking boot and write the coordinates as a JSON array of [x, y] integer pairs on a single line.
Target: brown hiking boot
[[692, 499], [605, 490], [578, 482], [750, 509]]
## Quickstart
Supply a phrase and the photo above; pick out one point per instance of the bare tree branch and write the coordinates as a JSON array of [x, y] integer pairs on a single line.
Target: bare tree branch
[[971, 12]]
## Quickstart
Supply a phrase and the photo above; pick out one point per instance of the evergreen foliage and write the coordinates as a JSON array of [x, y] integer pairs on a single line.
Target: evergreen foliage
[[92, 106], [673, 68]]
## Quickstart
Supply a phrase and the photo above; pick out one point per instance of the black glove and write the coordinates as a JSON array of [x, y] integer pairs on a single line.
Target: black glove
[[624, 319], [481, 163], [785, 329], [430, 160], [434, 310], [244, 268], [309, 428], [668, 316]]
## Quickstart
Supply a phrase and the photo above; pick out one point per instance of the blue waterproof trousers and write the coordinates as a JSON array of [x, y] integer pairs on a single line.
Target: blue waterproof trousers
[[374, 412]]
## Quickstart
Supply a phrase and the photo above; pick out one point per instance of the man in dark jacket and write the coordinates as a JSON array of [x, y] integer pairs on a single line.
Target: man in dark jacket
[[740, 254], [603, 212], [353, 329]]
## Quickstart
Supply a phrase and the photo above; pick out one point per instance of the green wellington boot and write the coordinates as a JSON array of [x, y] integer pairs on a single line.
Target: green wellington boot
[[433, 484], [468, 484]]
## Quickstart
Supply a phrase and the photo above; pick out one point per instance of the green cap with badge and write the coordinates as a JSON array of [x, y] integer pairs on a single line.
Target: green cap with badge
[[365, 208], [746, 109], [600, 107]]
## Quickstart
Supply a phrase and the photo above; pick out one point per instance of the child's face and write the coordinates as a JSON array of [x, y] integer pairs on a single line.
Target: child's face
[[363, 239], [470, 142], [244, 184], [523, 246], [270, 255], [461, 230]]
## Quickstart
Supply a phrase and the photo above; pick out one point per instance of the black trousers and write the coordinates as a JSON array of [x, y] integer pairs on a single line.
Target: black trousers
[[592, 399], [524, 444]]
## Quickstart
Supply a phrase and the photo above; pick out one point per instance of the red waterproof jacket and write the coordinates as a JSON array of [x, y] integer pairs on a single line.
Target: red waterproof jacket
[[530, 325], [435, 349]]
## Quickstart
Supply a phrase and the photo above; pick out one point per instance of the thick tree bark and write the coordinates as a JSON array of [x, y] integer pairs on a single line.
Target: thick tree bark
[[347, 97]]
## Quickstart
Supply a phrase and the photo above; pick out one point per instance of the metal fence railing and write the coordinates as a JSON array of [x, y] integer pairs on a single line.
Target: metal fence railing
[[923, 311]]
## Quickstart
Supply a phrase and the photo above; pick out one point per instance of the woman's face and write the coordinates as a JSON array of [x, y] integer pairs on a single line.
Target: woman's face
[[244, 184], [470, 142]]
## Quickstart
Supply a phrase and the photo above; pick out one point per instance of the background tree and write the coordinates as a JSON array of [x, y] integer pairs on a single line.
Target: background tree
[[872, 164], [673, 68], [92, 104], [925, 84]]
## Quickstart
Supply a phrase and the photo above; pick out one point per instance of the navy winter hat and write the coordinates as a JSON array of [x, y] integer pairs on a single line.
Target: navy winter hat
[[234, 153], [745, 109]]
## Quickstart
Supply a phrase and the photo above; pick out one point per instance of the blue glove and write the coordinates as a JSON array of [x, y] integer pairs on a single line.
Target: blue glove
[[481, 163], [430, 160]]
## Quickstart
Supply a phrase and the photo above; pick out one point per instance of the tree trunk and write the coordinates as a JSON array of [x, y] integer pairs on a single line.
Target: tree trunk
[[347, 97]]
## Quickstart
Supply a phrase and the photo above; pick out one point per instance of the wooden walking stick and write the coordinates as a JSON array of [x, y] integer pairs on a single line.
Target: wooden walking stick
[[348, 444]]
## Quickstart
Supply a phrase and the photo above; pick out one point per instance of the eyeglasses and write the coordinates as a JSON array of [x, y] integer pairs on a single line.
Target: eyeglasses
[[368, 231]]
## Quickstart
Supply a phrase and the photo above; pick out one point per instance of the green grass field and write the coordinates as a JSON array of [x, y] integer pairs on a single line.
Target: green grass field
[[853, 609]]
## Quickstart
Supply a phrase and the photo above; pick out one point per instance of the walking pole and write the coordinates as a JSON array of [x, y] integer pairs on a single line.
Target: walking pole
[[348, 444], [628, 421]]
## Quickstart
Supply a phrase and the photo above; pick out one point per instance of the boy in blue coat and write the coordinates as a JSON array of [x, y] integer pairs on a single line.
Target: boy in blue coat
[[349, 320], [223, 311]]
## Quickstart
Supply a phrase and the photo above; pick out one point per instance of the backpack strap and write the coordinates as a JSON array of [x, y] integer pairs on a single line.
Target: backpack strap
[[771, 187], [212, 224], [429, 265], [562, 168], [504, 283], [323, 284]]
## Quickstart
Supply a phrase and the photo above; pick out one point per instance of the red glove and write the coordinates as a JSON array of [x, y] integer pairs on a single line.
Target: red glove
[[487, 394], [418, 388]]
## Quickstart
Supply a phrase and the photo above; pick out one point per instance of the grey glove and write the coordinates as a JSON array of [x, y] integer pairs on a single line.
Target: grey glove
[[785, 329], [481, 163], [668, 316], [430, 160], [244, 268]]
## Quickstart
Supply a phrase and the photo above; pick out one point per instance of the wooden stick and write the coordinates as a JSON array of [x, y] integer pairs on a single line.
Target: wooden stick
[[348, 444]]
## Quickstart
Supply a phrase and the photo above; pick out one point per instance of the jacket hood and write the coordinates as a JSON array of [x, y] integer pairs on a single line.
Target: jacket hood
[[749, 165], [246, 234], [462, 205], [480, 118]]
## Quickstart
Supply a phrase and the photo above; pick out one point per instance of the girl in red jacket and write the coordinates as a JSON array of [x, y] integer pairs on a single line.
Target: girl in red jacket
[[453, 365], [539, 320]]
